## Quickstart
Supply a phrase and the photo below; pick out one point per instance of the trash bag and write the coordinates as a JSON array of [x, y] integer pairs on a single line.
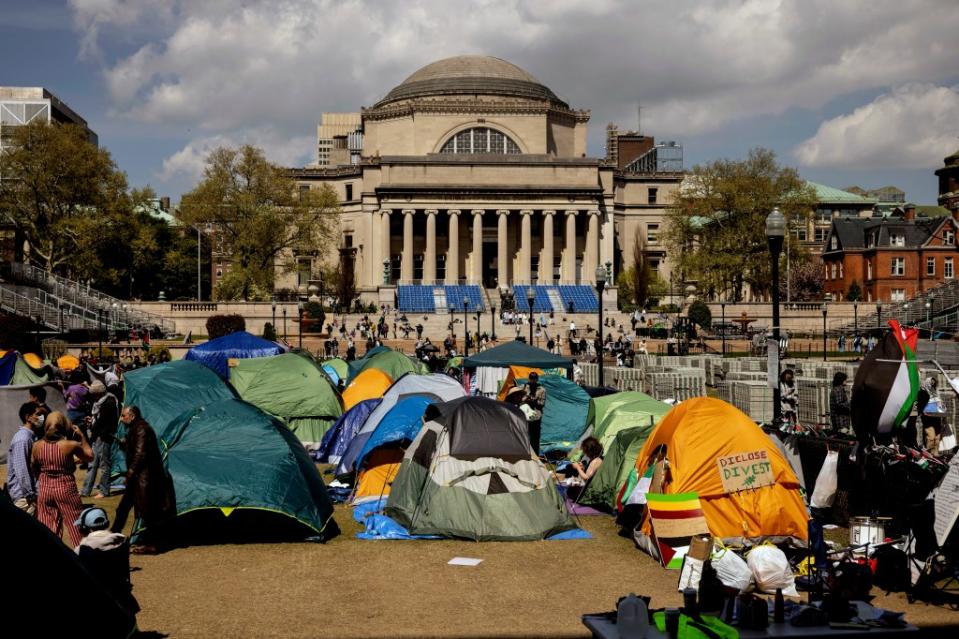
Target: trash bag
[[827, 482], [732, 570], [770, 570]]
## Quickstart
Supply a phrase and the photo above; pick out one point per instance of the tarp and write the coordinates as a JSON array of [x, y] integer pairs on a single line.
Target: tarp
[[40, 556], [393, 363], [164, 393], [619, 458], [337, 439], [519, 354], [8, 364], [235, 469], [438, 387], [292, 388], [697, 434], [11, 398], [370, 384], [216, 353], [471, 473]]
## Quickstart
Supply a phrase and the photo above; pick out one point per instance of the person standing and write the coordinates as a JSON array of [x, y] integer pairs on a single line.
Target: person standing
[[76, 396], [149, 490], [789, 397], [534, 396], [839, 410], [104, 416], [21, 484], [58, 501]]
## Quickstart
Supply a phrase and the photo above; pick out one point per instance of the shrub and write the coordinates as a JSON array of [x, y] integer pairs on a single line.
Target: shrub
[[160, 353], [103, 354], [220, 325], [700, 314], [269, 332]]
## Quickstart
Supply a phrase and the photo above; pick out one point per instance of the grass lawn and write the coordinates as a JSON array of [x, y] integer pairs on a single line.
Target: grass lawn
[[353, 588]]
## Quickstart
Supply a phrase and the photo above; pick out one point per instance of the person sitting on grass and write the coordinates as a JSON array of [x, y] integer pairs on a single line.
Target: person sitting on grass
[[106, 555], [576, 476]]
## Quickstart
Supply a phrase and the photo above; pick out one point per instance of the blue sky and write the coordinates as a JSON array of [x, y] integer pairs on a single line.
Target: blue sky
[[858, 92]]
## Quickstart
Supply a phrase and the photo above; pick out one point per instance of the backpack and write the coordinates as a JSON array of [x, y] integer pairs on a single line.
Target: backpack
[[892, 569]]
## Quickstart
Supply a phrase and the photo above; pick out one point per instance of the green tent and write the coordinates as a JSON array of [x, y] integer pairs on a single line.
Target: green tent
[[610, 414], [393, 363], [240, 474], [619, 459], [293, 388], [23, 375], [518, 353], [164, 393], [339, 366]]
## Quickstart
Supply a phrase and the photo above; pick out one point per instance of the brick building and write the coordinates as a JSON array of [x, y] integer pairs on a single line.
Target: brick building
[[893, 258]]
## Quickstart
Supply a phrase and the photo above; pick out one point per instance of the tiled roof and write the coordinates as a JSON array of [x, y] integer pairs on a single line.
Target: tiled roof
[[833, 195]]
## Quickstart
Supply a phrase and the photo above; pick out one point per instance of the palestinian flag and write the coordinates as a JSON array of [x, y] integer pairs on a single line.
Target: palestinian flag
[[675, 519], [886, 383], [636, 488]]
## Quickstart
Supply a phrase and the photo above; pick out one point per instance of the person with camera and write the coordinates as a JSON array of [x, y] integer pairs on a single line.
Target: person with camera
[[103, 419], [54, 463]]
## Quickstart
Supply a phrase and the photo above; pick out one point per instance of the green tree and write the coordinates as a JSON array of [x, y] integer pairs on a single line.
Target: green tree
[[259, 217], [700, 314], [60, 191], [855, 291], [716, 225]]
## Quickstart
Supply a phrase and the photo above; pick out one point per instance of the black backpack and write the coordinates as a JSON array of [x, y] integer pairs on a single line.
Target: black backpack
[[892, 569]]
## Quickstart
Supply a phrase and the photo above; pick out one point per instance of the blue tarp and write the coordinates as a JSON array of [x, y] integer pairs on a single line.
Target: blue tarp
[[216, 353], [338, 438], [403, 422], [8, 364]]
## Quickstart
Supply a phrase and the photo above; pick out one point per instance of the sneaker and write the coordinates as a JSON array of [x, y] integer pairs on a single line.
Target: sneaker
[[100, 496]]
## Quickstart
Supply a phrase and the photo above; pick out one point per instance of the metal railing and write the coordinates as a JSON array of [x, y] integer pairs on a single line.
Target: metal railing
[[116, 313], [62, 317]]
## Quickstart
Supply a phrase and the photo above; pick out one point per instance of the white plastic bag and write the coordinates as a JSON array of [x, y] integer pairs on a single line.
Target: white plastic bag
[[825, 491], [732, 570], [691, 573], [770, 569]]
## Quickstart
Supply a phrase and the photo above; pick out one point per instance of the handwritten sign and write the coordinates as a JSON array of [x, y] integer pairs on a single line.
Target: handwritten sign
[[744, 471], [946, 500]]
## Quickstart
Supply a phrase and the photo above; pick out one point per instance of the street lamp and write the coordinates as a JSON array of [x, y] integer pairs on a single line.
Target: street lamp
[[775, 234], [99, 334], [929, 318], [466, 329], [274, 317], [824, 312], [479, 312], [299, 309], [530, 298], [284, 323], [855, 318], [722, 305], [879, 314], [493, 323], [600, 287]]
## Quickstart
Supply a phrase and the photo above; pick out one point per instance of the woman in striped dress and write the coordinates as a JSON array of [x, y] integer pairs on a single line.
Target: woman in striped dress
[[58, 500]]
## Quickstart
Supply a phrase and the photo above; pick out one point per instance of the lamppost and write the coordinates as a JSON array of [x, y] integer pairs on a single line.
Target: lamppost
[[530, 298], [99, 334], [284, 323], [274, 317], [299, 310], [929, 318], [493, 322], [855, 318], [600, 287], [478, 313], [466, 329], [722, 305], [775, 234], [879, 314], [824, 312]]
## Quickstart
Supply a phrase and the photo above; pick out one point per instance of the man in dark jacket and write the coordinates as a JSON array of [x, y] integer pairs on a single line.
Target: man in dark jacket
[[149, 490], [103, 419]]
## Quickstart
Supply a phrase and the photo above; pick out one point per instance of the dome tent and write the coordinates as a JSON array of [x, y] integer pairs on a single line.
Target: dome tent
[[393, 363], [240, 474], [471, 473], [216, 353], [619, 458], [293, 388], [337, 439], [370, 384], [698, 437]]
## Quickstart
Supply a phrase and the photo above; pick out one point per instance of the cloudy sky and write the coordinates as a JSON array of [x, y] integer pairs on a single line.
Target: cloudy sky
[[850, 92]]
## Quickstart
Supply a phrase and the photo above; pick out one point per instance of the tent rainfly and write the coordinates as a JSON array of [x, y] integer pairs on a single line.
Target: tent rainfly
[[241, 345], [518, 354]]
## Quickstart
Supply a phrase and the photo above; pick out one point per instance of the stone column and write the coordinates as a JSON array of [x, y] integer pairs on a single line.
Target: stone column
[[406, 266], [476, 257], [502, 253], [385, 239], [591, 254], [526, 247], [569, 251], [429, 263], [546, 256], [453, 248]]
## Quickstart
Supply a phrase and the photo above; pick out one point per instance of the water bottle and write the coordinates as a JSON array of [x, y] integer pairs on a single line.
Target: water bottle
[[632, 618]]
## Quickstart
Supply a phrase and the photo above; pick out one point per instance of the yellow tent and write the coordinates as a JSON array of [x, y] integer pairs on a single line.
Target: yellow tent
[[515, 373], [746, 487], [379, 470], [33, 360], [369, 384], [67, 362]]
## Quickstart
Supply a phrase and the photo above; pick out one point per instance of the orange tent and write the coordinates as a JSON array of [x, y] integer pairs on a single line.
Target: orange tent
[[67, 362], [33, 360], [515, 373], [379, 470], [746, 487], [369, 384]]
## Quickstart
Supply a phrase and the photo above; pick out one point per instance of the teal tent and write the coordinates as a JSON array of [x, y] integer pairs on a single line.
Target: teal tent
[[565, 413], [518, 354], [240, 474], [293, 388]]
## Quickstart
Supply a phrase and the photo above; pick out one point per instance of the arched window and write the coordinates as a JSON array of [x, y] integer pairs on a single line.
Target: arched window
[[480, 140]]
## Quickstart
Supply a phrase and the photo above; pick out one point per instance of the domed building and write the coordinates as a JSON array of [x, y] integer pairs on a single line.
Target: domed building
[[473, 172]]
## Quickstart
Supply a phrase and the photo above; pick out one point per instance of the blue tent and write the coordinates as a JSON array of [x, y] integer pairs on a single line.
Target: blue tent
[[402, 422], [338, 438], [8, 364], [215, 353]]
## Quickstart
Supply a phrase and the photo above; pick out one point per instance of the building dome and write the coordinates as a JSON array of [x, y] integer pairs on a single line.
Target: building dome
[[471, 75]]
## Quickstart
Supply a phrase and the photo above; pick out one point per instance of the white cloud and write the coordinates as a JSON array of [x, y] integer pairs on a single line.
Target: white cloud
[[188, 163], [913, 126]]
